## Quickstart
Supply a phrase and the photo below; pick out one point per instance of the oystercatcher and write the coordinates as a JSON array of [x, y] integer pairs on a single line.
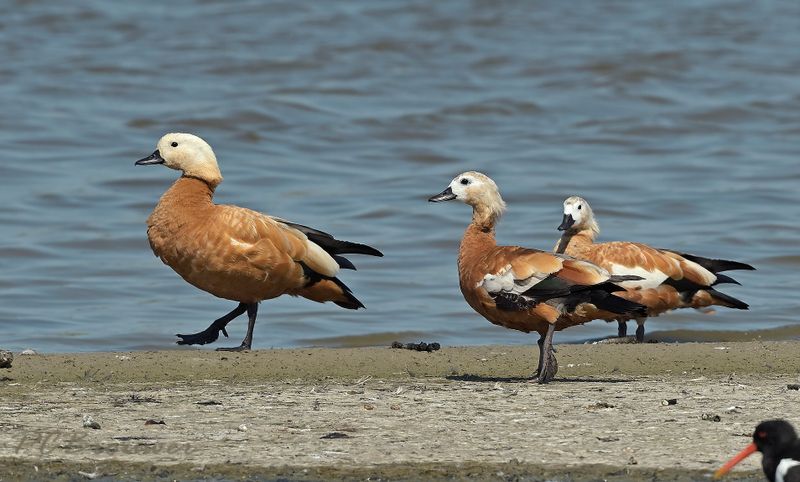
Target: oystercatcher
[[778, 443]]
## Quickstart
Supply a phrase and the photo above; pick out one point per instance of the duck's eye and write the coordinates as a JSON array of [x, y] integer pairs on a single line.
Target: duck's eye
[[174, 144], [464, 181], [579, 207]]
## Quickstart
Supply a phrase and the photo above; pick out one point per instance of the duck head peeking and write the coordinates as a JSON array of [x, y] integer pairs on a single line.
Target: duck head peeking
[[578, 216]]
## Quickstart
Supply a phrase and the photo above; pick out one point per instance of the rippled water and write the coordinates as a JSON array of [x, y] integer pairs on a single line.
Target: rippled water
[[679, 121]]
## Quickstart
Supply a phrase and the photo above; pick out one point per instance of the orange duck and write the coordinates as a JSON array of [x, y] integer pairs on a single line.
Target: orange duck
[[668, 279], [527, 289], [236, 253]]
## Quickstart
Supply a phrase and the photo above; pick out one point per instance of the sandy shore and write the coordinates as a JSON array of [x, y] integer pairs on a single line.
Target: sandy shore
[[458, 413]]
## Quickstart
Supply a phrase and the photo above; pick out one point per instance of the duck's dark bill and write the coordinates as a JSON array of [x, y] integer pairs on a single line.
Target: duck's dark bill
[[748, 451], [446, 195], [154, 158], [566, 223]]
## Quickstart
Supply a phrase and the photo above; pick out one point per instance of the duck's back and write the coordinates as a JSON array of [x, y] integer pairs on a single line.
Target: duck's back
[[668, 281]]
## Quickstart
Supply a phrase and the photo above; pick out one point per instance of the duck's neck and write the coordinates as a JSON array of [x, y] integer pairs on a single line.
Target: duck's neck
[[571, 241], [189, 192], [477, 240], [484, 218]]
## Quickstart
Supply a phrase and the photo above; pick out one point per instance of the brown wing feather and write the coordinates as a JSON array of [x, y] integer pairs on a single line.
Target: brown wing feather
[[527, 263], [582, 273], [629, 255], [641, 256], [530, 262]]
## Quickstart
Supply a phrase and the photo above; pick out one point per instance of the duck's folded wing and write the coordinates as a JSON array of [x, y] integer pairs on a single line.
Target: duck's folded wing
[[267, 243], [653, 266], [525, 277], [668, 279]]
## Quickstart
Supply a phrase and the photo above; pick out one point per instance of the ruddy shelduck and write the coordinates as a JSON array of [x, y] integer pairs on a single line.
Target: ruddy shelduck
[[669, 279], [236, 253], [526, 289]]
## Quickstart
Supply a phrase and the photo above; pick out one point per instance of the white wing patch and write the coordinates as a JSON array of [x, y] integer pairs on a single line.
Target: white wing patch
[[708, 277], [324, 262], [650, 279], [506, 281], [783, 468]]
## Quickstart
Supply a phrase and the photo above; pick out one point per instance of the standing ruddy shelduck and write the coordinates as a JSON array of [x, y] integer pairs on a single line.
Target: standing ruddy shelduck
[[780, 449], [526, 289], [233, 252], [669, 279]]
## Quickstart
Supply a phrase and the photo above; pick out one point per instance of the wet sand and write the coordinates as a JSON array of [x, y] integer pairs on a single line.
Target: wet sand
[[315, 414]]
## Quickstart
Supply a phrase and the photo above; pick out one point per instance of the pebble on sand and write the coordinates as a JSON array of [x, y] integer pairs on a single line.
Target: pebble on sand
[[88, 422], [6, 357]]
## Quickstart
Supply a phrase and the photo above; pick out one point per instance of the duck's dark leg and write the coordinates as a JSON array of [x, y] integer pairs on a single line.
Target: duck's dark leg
[[622, 329], [541, 354], [252, 311], [640, 331], [210, 334], [549, 365]]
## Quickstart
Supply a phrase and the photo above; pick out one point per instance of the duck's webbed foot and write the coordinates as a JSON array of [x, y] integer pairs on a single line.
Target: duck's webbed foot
[[210, 334], [241, 347], [252, 311]]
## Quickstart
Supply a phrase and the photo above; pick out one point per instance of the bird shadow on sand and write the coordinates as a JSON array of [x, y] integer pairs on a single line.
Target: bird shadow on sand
[[479, 378]]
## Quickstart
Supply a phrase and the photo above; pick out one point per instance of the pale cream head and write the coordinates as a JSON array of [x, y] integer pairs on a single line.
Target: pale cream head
[[578, 216], [187, 153], [479, 191]]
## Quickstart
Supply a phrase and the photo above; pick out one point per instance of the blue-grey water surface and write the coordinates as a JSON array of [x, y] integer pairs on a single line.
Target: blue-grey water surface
[[679, 121]]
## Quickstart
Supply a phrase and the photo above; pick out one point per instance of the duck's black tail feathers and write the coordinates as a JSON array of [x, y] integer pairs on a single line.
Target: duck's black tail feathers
[[334, 247], [723, 278], [323, 288], [352, 303], [716, 265], [728, 300]]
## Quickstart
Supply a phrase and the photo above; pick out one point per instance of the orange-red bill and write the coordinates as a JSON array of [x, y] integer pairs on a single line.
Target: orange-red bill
[[748, 451]]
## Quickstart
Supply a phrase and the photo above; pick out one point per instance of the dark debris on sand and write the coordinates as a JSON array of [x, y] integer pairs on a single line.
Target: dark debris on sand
[[421, 346]]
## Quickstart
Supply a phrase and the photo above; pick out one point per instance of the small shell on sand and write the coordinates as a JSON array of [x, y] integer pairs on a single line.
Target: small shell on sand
[[88, 422]]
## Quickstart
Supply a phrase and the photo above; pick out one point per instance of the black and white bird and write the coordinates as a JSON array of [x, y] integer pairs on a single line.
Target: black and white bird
[[778, 443]]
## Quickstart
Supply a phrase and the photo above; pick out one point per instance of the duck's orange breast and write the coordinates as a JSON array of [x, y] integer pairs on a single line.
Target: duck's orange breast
[[230, 252]]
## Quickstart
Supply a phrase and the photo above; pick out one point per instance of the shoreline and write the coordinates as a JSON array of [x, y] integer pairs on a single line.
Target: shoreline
[[461, 412], [492, 361]]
